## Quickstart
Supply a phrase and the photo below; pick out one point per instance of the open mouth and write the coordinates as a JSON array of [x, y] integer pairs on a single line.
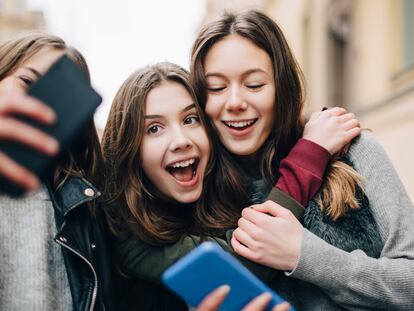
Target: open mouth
[[184, 171], [240, 125]]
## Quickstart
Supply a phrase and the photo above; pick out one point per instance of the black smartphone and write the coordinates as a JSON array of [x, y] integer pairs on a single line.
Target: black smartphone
[[65, 88]]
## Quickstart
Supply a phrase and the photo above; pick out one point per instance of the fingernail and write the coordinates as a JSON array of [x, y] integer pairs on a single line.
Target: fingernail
[[265, 296], [223, 290], [32, 183], [52, 146], [51, 115]]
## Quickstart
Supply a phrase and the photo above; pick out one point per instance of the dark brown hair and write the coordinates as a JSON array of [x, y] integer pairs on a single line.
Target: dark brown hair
[[84, 158], [261, 30], [132, 201]]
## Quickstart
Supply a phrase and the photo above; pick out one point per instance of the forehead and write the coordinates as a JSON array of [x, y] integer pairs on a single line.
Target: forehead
[[43, 59], [233, 53], [167, 99]]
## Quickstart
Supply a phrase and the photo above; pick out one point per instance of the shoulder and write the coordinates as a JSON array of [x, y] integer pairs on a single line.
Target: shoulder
[[371, 161], [366, 145]]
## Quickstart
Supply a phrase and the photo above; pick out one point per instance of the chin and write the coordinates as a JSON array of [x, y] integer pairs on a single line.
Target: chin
[[188, 198], [241, 150]]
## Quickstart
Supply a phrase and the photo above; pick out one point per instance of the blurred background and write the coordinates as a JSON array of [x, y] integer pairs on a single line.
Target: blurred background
[[358, 54]]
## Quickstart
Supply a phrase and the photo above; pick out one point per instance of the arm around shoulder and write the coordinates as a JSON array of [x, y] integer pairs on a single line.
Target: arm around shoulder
[[354, 279]]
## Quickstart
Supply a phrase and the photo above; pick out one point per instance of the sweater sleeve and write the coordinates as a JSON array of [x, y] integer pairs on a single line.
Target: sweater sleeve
[[139, 259], [301, 172], [301, 175], [353, 279]]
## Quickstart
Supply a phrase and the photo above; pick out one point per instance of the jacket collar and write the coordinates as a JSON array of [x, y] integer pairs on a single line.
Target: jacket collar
[[74, 192]]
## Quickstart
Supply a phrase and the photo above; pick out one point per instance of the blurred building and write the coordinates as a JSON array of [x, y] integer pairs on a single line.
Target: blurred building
[[358, 54], [15, 17]]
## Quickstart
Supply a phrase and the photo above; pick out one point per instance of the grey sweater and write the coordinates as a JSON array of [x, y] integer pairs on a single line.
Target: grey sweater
[[32, 269], [352, 279]]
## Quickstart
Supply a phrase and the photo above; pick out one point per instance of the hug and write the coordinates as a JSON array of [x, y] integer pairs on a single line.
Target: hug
[[219, 153]]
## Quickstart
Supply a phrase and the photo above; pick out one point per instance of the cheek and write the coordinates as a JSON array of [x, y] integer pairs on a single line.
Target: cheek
[[8, 84], [151, 156], [213, 107], [203, 142]]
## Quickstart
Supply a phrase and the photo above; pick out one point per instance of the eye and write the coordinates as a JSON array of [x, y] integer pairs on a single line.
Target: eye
[[254, 86], [216, 89], [26, 80], [193, 119], [153, 129]]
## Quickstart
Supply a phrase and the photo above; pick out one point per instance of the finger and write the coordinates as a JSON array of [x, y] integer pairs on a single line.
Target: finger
[[253, 215], [282, 307], [347, 116], [17, 173], [335, 111], [354, 132], [258, 303], [15, 130], [27, 106], [272, 208], [243, 237], [351, 124], [241, 249], [213, 300]]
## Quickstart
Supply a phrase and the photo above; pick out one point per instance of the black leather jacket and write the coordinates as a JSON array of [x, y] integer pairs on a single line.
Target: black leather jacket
[[84, 237]]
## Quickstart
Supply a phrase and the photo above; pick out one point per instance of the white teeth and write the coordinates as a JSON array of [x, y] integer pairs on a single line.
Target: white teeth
[[182, 163], [239, 123]]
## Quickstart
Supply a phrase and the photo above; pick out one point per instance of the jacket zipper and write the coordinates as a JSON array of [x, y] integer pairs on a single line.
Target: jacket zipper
[[95, 287]]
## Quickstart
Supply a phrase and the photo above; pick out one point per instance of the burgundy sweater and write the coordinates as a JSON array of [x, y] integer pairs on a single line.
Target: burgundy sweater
[[302, 171]]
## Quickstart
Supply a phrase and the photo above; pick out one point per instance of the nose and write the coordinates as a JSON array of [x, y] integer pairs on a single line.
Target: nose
[[235, 101], [180, 140]]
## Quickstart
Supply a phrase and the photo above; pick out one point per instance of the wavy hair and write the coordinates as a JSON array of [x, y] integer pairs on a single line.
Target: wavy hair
[[339, 187], [134, 205]]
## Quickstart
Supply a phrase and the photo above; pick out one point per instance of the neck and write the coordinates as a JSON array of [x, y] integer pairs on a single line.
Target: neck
[[249, 164]]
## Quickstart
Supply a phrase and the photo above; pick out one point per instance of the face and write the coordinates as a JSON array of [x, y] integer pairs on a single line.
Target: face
[[175, 148], [31, 70], [241, 93]]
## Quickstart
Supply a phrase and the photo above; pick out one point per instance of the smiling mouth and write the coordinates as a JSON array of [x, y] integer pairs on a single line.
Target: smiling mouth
[[184, 171], [240, 125]]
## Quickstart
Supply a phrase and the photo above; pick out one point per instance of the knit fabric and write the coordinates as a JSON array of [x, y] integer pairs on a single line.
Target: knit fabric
[[353, 279], [32, 269]]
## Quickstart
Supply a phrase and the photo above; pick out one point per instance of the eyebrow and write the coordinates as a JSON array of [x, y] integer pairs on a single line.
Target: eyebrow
[[244, 74], [34, 71], [157, 116]]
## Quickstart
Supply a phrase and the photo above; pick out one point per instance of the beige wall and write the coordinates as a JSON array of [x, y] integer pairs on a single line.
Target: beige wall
[[15, 18], [372, 81]]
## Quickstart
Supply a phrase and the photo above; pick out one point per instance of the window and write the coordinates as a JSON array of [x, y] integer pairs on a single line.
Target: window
[[407, 37]]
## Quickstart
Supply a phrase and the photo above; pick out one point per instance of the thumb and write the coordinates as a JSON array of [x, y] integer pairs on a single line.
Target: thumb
[[271, 208]]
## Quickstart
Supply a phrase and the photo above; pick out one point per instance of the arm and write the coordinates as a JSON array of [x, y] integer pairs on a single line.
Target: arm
[[354, 279], [143, 260], [301, 172]]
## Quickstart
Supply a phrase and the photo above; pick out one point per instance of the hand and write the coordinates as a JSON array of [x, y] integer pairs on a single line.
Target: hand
[[12, 103], [269, 234], [332, 129], [213, 301]]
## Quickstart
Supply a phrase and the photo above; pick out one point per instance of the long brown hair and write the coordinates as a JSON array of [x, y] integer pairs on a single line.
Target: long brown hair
[[132, 202], [85, 158], [339, 187]]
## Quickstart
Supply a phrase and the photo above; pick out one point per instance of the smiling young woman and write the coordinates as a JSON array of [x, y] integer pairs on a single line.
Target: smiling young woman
[[246, 78]]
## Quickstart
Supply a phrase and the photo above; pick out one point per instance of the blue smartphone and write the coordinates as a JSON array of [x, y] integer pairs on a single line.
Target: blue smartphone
[[207, 267]]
